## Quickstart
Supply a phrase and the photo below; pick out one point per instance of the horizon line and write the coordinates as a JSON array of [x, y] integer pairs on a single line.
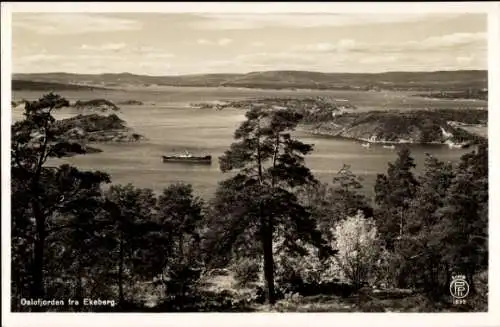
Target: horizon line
[[260, 71]]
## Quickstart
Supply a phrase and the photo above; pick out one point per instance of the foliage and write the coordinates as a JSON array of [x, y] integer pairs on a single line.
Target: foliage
[[247, 271], [329, 203], [41, 193], [359, 248], [270, 218], [394, 192], [446, 224], [464, 217], [417, 126], [175, 254], [100, 103], [128, 221], [269, 165]]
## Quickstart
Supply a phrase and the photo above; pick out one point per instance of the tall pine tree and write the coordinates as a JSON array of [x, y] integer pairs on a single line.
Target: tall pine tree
[[270, 164], [36, 188], [394, 192]]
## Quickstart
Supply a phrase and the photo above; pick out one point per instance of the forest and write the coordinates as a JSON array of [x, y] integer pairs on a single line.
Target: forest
[[289, 241]]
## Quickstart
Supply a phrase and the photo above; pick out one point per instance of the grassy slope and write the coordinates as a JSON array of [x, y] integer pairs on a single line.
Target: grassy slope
[[368, 300]]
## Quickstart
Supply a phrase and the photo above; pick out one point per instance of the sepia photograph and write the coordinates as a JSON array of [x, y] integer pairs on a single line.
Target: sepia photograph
[[179, 162]]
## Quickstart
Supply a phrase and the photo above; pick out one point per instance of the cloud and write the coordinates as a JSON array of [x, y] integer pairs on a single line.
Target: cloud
[[158, 55], [152, 64], [203, 41], [72, 23], [270, 58], [39, 57], [455, 42], [221, 42], [464, 60], [450, 40], [257, 44], [378, 60], [104, 47], [42, 58], [342, 45], [224, 41], [144, 48], [259, 61], [146, 51], [258, 21]]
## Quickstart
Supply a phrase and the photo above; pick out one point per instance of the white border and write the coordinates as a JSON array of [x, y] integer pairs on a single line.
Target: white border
[[258, 319], [257, 7]]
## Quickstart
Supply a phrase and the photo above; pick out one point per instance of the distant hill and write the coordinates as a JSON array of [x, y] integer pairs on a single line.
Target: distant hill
[[407, 81], [45, 85]]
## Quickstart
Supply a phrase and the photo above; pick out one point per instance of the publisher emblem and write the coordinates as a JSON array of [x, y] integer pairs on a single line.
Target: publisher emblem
[[459, 288]]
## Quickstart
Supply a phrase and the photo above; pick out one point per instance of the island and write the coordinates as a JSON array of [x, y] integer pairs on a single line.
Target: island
[[131, 103], [94, 128], [314, 109], [96, 105], [339, 118]]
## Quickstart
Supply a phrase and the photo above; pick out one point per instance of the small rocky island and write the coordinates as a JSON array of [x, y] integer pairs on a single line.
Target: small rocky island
[[131, 103], [101, 105], [94, 128]]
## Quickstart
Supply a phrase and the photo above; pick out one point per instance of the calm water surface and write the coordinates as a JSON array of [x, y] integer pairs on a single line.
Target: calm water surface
[[172, 126]]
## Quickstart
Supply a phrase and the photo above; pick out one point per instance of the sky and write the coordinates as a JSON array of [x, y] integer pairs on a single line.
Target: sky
[[188, 43]]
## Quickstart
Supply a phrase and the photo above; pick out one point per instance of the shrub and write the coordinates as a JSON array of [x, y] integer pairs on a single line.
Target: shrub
[[359, 248], [247, 271]]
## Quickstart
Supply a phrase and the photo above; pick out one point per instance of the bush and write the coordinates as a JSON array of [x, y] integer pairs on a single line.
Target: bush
[[246, 272], [359, 249], [303, 272]]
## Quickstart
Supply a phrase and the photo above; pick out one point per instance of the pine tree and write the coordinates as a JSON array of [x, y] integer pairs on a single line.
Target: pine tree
[[77, 249], [129, 223], [175, 253], [394, 192], [420, 253], [261, 202], [345, 194], [35, 139], [463, 226]]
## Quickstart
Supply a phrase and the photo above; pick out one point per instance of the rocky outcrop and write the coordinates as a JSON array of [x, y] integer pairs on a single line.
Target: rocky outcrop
[[96, 128], [400, 127], [131, 103], [101, 105]]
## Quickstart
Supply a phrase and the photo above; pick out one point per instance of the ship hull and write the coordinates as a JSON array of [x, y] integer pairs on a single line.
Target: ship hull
[[206, 160]]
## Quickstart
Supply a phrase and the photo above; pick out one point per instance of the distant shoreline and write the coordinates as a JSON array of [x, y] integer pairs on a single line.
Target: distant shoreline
[[358, 140]]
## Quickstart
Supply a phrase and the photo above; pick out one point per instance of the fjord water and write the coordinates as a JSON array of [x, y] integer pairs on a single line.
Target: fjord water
[[172, 126]]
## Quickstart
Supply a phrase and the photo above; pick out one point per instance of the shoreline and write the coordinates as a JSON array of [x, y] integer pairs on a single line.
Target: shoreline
[[381, 142]]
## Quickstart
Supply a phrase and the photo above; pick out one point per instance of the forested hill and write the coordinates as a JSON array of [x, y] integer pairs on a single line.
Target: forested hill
[[410, 81]]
